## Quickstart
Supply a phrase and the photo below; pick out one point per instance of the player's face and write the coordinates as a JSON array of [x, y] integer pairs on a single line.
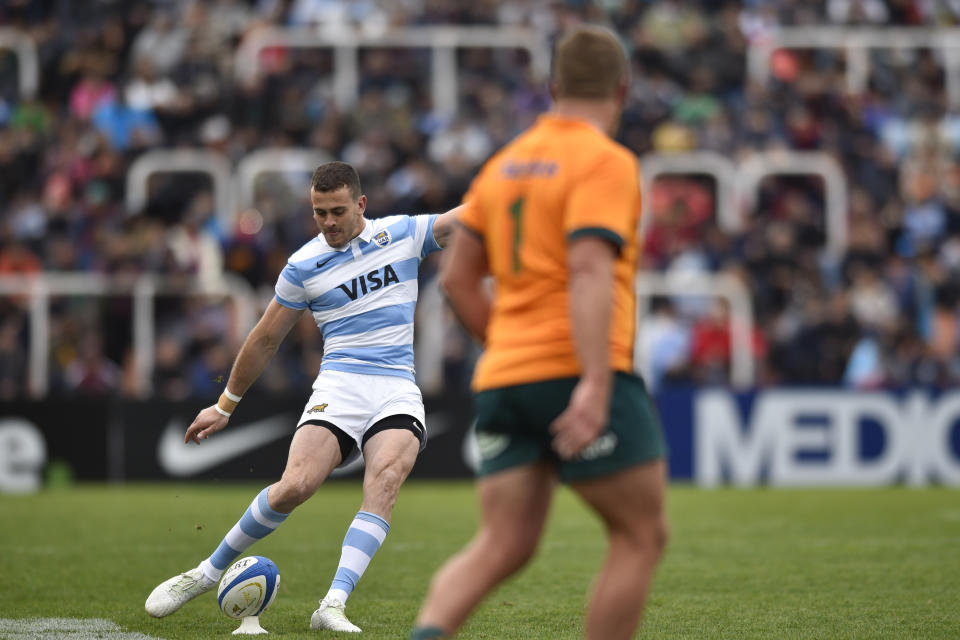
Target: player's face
[[339, 216]]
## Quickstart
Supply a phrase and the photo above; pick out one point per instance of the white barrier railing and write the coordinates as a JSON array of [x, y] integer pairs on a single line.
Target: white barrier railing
[[760, 165], [737, 184], [233, 190], [442, 41], [143, 289], [213, 163], [431, 325], [28, 69], [742, 370], [856, 42], [721, 168], [279, 160]]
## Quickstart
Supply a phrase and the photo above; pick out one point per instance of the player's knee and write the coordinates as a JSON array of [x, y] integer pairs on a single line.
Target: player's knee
[[290, 493], [524, 548], [647, 537], [384, 483], [515, 556], [659, 535], [508, 553]]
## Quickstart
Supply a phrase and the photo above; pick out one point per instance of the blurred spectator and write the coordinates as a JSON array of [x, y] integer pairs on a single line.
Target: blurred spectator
[[125, 127], [194, 248], [91, 372], [865, 369], [147, 91], [12, 357], [672, 26], [170, 381], [710, 345], [17, 260], [209, 370], [90, 93], [872, 301], [163, 41], [857, 11], [665, 343]]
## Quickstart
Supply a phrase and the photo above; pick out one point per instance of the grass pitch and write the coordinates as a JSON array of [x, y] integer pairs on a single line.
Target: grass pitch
[[779, 564]]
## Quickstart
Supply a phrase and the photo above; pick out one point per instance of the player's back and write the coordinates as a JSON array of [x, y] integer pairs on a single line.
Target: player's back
[[561, 179]]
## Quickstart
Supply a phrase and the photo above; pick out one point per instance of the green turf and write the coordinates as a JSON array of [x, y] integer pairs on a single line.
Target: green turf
[[778, 564]]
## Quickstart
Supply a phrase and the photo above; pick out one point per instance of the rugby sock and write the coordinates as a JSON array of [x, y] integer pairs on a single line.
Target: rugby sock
[[428, 633], [258, 521], [364, 537]]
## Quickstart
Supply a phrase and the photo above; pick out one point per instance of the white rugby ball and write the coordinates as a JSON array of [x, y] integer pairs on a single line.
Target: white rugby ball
[[248, 587]]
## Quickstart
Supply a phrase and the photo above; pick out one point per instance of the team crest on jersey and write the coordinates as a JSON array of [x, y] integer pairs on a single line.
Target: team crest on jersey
[[383, 238], [318, 408]]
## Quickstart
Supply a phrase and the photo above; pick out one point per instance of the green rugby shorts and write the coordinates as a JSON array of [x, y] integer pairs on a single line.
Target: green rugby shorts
[[513, 428]]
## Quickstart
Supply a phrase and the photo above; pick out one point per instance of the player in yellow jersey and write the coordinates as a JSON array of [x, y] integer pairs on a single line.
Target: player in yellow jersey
[[554, 218]]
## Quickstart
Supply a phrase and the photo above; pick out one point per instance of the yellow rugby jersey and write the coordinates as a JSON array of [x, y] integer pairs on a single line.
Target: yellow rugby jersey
[[560, 179]]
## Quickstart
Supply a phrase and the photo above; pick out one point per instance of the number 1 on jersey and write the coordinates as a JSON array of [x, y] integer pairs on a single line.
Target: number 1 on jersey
[[516, 212]]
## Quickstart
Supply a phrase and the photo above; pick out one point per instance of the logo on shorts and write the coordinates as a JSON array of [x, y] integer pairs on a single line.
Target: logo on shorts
[[492, 444], [599, 448], [318, 408], [383, 238]]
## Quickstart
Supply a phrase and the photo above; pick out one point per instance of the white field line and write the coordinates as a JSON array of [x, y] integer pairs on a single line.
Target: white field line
[[65, 629]]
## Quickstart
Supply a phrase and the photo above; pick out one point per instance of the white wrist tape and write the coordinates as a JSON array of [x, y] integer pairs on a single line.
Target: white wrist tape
[[222, 412], [233, 397]]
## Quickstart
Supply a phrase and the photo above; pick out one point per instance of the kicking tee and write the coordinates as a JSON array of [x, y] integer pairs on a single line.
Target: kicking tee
[[363, 295]]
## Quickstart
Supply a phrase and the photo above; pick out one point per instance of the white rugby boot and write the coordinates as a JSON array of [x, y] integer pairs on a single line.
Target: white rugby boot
[[177, 591], [331, 616]]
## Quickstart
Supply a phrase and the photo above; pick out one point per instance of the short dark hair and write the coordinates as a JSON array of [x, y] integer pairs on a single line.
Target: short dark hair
[[331, 176], [589, 62]]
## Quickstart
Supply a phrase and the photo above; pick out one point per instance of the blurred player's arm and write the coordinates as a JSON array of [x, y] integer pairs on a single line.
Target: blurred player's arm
[[601, 211], [463, 281], [444, 226], [590, 262], [257, 349]]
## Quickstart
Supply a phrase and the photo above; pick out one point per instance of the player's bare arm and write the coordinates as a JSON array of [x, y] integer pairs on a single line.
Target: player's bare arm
[[590, 262], [463, 280], [260, 345], [444, 226]]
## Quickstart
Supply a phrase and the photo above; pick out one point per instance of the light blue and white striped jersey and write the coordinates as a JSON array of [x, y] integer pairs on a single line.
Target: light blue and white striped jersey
[[363, 295]]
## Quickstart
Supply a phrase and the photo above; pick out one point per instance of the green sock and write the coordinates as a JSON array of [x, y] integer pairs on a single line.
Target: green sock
[[428, 633]]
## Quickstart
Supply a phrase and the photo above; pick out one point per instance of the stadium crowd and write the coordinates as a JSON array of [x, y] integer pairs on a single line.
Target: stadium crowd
[[117, 78]]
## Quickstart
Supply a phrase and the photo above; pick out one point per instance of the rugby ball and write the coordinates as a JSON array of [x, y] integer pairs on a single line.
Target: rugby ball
[[248, 587]]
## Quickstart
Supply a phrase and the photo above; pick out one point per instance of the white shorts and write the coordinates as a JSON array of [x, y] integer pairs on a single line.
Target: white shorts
[[354, 402]]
